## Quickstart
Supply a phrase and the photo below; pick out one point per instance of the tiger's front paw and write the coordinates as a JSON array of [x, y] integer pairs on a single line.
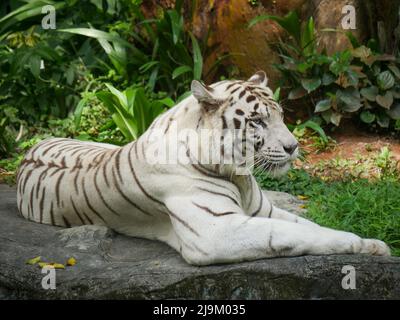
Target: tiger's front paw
[[375, 247]]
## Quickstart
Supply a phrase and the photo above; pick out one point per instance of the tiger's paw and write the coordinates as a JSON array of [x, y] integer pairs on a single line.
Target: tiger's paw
[[375, 247]]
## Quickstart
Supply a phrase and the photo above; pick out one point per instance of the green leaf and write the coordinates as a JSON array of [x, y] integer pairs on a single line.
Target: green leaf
[[335, 118], [328, 79], [180, 70], [311, 84], [34, 65], [385, 80], [277, 94], [367, 117], [370, 93], [176, 24], [167, 102], [395, 70], [197, 59], [394, 111], [97, 34], [308, 37], [353, 40], [78, 111], [383, 120], [385, 101], [147, 66], [119, 95], [316, 127], [297, 93], [323, 105], [351, 99]]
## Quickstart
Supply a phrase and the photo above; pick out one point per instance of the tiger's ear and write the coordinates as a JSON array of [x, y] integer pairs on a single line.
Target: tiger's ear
[[205, 95], [259, 78]]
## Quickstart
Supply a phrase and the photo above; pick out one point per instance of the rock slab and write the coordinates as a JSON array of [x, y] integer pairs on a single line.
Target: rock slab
[[112, 266]]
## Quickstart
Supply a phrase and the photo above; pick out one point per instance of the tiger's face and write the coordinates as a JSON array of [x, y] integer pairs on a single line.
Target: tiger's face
[[248, 106]]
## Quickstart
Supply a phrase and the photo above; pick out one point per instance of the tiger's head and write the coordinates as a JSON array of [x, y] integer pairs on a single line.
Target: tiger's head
[[249, 107]]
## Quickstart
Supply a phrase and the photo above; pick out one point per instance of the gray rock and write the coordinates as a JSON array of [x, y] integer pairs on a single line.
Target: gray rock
[[286, 201], [112, 266]]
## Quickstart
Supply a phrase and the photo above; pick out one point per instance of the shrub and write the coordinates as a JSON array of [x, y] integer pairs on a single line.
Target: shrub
[[360, 81]]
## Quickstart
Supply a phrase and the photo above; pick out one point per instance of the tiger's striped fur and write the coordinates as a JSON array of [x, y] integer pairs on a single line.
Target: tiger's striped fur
[[204, 211]]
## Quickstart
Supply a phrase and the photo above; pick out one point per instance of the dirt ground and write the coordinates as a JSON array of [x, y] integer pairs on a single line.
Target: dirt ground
[[351, 144]]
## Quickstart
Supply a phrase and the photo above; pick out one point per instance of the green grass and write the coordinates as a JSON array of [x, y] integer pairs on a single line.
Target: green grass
[[369, 209]]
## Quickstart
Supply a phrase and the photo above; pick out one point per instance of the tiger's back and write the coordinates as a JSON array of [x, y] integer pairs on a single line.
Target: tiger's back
[[49, 175]]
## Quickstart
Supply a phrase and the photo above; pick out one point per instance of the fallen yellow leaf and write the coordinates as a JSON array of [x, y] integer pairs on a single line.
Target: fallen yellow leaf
[[58, 266], [71, 262], [302, 197], [45, 264], [303, 206], [34, 260]]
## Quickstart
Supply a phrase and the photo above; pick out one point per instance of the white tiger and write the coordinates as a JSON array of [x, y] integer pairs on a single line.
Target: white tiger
[[206, 212]]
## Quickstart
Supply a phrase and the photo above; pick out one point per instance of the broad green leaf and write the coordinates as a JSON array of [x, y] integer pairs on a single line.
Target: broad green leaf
[[167, 102], [328, 79], [395, 70], [394, 111], [335, 118], [351, 99], [385, 101], [34, 65], [385, 80], [367, 117], [370, 93], [383, 120], [180, 70], [311, 84], [362, 52], [323, 105], [119, 95], [297, 93]]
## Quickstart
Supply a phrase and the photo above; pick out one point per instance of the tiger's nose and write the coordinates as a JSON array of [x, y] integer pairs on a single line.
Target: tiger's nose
[[290, 148]]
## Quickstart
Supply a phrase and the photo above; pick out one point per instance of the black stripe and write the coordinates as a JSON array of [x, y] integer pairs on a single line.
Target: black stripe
[[215, 184], [77, 213], [52, 214], [49, 146], [216, 214], [58, 188], [220, 194], [105, 174], [137, 180], [260, 205], [41, 204], [117, 163], [100, 194], [66, 222], [76, 180], [125, 197], [87, 200], [184, 223]]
